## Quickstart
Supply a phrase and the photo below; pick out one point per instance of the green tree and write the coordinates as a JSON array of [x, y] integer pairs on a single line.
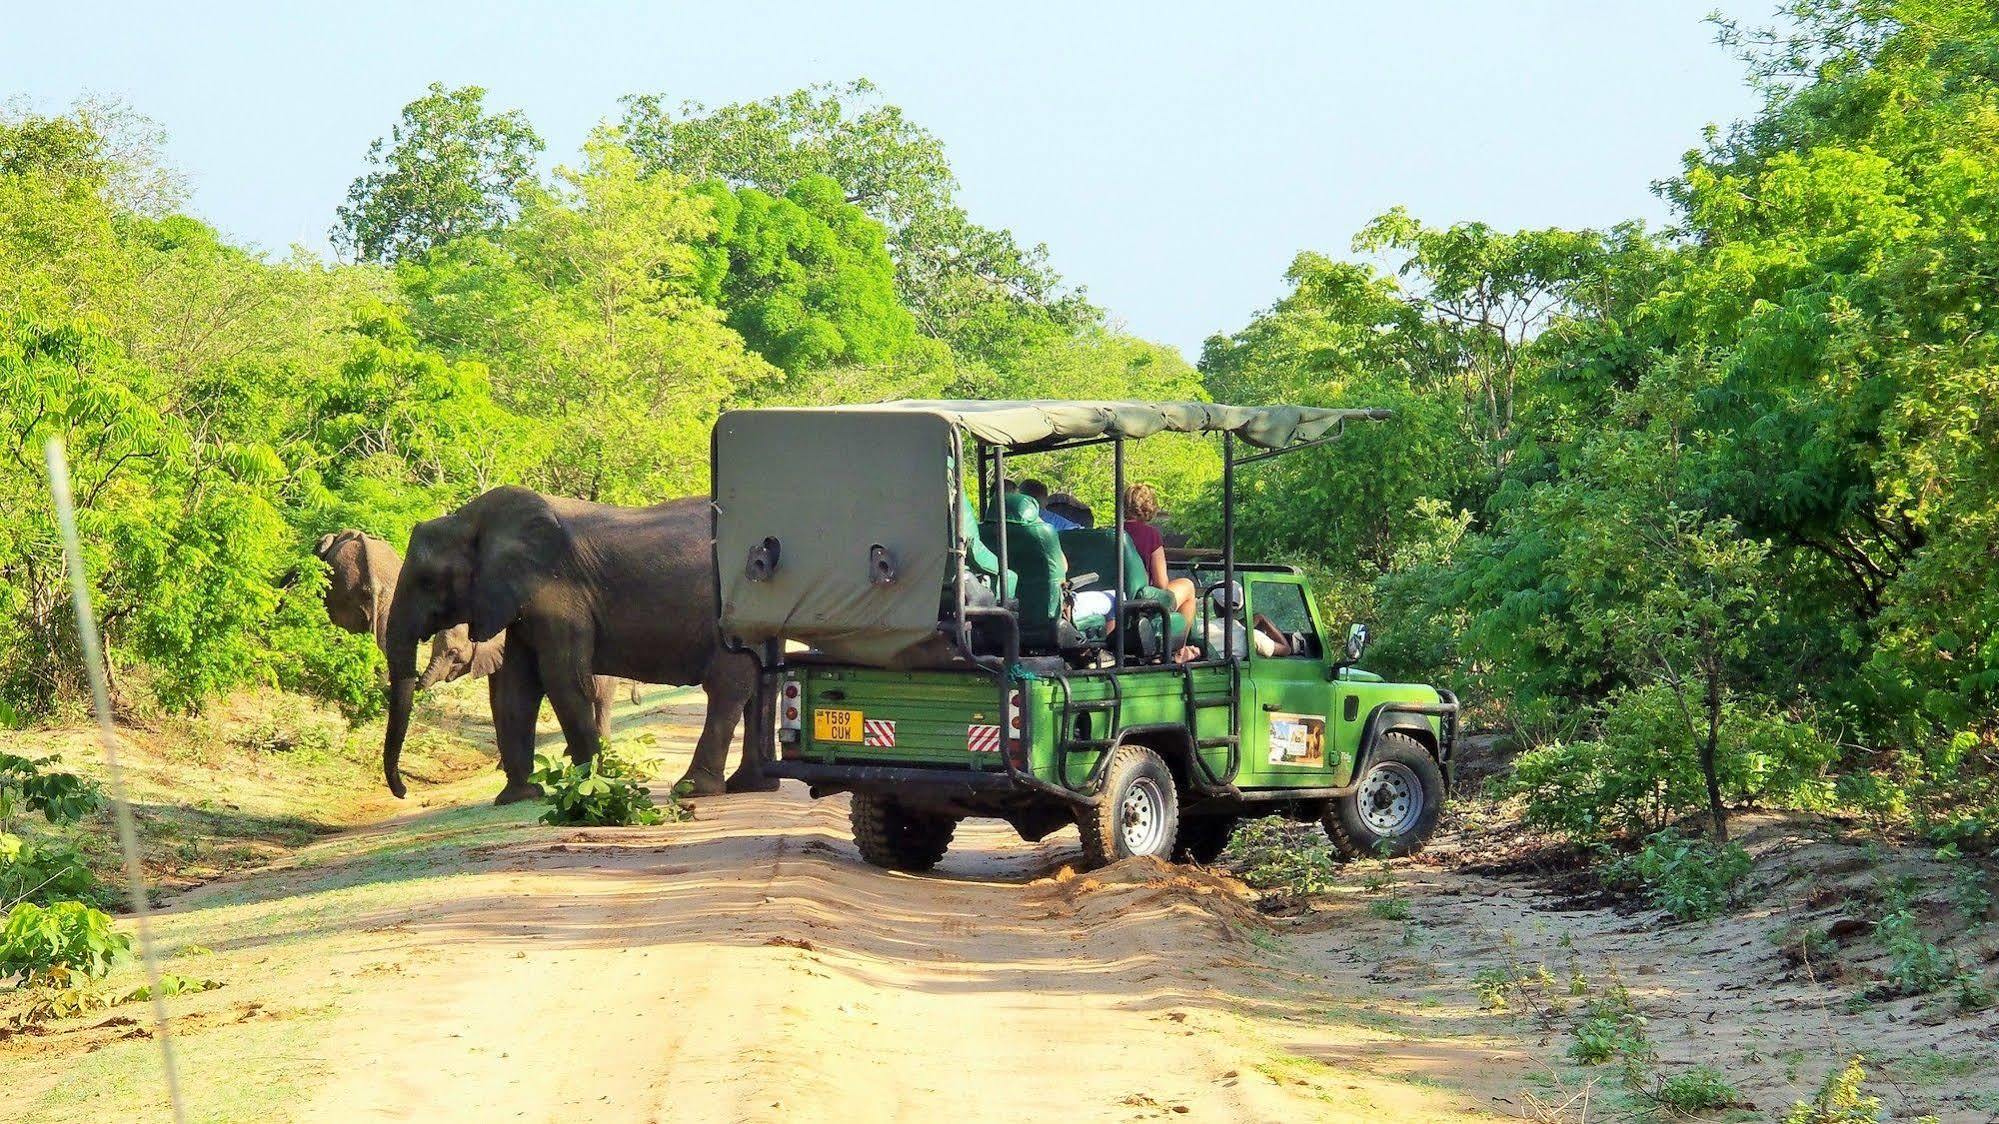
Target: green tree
[[587, 309], [805, 278], [971, 286], [1494, 292], [448, 169]]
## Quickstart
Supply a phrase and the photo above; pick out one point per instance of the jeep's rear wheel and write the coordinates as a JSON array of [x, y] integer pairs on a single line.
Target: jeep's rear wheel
[[1394, 808], [1139, 813], [899, 838], [1202, 839]]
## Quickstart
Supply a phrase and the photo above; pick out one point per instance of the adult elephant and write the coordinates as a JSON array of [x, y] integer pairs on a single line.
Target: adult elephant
[[578, 589], [362, 583]]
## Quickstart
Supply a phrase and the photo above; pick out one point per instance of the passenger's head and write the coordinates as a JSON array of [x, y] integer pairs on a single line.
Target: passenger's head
[[1071, 508], [1226, 600], [1035, 489], [1141, 502]]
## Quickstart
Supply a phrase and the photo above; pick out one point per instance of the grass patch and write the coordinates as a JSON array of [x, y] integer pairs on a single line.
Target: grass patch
[[1935, 1067]]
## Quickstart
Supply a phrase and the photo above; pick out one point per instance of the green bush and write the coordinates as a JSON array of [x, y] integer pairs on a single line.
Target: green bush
[[44, 873], [1640, 772], [604, 793], [28, 785], [1700, 1089], [1689, 878], [64, 939], [1915, 966], [1267, 857]]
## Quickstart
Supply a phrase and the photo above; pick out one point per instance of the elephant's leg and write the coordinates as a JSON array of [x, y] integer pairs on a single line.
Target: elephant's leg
[[572, 692], [515, 690], [759, 732], [758, 729], [730, 681], [607, 694]]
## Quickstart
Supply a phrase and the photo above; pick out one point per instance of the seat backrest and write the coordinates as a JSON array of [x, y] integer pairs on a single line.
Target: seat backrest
[[1094, 551], [979, 556], [1034, 555]]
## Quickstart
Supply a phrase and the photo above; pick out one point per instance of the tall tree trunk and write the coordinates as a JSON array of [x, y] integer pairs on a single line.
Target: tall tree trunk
[[1709, 749]]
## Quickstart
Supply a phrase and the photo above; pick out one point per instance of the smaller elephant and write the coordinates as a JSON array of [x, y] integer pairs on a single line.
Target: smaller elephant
[[363, 583]]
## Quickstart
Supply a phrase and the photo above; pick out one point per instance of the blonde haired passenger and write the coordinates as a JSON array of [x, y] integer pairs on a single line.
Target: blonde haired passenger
[[1141, 507]]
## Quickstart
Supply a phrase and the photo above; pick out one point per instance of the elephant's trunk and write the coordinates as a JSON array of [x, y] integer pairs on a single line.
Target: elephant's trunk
[[438, 670], [402, 692], [402, 697]]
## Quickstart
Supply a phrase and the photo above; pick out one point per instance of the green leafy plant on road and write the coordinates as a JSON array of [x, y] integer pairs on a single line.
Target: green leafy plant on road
[[607, 792], [1700, 1089]]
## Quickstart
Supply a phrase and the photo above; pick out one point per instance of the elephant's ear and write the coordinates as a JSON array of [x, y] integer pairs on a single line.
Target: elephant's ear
[[487, 657], [325, 543], [521, 545]]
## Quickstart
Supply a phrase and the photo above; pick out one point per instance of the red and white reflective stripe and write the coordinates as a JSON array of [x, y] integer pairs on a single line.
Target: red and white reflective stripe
[[878, 732], [982, 739], [790, 712]]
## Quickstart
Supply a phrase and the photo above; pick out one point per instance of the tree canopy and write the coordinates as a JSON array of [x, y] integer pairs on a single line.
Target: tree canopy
[[449, 168]]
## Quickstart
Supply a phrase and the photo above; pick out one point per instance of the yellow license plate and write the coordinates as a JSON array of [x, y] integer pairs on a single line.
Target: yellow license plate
[[836, 725]]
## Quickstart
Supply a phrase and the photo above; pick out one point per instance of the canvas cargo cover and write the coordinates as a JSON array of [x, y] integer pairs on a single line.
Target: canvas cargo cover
[[829, 485]]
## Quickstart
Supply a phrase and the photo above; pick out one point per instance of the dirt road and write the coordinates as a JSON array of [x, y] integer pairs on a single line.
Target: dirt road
[[465, 963], [454, 961], [747, 967]]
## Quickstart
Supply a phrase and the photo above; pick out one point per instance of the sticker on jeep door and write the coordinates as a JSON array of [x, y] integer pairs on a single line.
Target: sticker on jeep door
[[1297, 739]]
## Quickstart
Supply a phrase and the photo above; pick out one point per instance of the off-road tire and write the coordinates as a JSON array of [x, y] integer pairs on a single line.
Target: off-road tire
[[898, 838], [1139, 813], [1400, 770], [1202, 839]]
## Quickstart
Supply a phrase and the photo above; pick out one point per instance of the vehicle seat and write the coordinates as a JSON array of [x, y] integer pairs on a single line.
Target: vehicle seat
[[1034, 554], [1093, 551], [979, 558]]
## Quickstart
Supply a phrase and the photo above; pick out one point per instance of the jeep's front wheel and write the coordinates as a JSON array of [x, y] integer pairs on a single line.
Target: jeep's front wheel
[[1139, 813], [898, 838], [1394, 808]]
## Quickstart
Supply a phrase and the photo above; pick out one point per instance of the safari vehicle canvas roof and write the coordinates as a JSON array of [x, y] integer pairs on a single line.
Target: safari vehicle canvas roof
[[1038, 423], [833, 524]]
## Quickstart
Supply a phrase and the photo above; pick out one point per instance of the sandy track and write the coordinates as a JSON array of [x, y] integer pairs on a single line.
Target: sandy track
[[748, 966], [462, 963]]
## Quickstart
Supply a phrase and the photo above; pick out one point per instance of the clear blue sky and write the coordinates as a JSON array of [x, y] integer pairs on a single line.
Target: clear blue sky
[[1174, 157]]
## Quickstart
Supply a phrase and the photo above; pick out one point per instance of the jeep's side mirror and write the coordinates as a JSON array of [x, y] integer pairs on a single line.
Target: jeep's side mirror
[[1356, 642]]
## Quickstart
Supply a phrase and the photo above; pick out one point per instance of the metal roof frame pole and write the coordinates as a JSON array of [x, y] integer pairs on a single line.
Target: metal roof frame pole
[[1117, 548], [1230, 608], [998, 510]]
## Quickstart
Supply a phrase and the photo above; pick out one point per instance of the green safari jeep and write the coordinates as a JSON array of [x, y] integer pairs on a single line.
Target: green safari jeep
[[939, 665]]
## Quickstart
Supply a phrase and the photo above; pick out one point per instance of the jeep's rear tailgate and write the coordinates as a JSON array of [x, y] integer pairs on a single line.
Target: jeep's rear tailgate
[[879, 717]]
